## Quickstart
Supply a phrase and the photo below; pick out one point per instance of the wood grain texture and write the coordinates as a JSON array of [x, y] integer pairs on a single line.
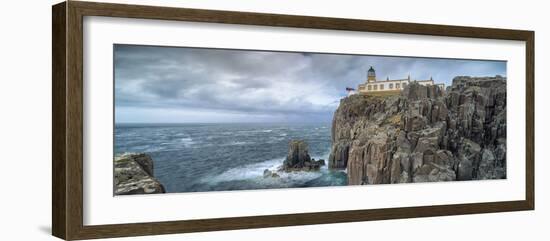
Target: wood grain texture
[[530, 120], [74, 110], [121, 230], [67, 136], [279, 20], [58, 121]]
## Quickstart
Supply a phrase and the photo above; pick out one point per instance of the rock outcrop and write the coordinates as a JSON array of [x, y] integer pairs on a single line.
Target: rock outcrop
[[425, 134], [268, 173], [298, 158], [134, 175]]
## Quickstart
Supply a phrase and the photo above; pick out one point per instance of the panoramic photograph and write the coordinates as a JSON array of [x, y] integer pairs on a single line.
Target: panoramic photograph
[[190, 119]]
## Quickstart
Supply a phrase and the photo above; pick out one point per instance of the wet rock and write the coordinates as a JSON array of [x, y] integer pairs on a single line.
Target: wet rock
[[298, 158], [321, 162], [145, 161], [270, 174], [297, 154], [133, 174]]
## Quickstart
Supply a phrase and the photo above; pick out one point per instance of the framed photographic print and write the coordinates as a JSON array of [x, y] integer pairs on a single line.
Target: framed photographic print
[[213, 120]]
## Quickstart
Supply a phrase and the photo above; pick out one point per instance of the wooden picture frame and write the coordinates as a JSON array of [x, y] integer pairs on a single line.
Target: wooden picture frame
[[67, 122]]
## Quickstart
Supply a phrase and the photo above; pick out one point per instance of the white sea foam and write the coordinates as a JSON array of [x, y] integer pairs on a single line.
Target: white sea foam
[[255, 131], [238, 143], [254, 172], [232, 143], [275, 139], [155, 148], [300, 176], [246, 172], [187, 141]]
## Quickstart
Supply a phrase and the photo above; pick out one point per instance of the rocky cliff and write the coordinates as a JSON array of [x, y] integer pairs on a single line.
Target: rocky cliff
[[424, 134], [134, 175]]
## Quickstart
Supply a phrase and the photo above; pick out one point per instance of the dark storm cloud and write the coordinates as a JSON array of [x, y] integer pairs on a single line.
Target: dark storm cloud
[[165, 84]]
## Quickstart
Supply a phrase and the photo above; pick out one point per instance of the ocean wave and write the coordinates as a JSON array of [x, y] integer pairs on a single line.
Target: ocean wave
[[187, 141], [231, 143], [237, 143], [254, 173], [169, 145], [249, 171], [255, 131], [275, 139], [155, 148]]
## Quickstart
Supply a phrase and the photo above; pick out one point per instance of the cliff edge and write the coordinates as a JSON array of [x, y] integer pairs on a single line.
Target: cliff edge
[[134, 175], [425, 134]]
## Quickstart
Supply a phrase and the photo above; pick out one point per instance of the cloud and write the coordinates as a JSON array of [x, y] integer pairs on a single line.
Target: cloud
[[204, 85]]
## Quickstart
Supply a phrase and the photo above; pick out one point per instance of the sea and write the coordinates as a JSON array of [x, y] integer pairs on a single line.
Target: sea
[[229, 156]]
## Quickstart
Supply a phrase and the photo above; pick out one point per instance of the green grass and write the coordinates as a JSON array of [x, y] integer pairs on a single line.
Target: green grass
[[383, 93]]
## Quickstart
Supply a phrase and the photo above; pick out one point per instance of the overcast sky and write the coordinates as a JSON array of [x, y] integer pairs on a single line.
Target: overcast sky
[[181, 85]]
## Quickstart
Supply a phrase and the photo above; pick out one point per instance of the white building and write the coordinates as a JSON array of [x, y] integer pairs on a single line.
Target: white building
[[374, 86]]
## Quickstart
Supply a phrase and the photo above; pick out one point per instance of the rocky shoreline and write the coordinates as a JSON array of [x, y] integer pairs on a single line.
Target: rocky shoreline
[[134, 175], [425, 134]]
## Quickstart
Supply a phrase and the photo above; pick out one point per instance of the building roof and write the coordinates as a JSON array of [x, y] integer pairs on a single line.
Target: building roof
[[392, 80], [395, 80]]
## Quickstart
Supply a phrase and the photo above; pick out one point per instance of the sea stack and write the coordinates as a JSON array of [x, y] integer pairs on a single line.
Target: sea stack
[[134, 175], [298, 157]]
